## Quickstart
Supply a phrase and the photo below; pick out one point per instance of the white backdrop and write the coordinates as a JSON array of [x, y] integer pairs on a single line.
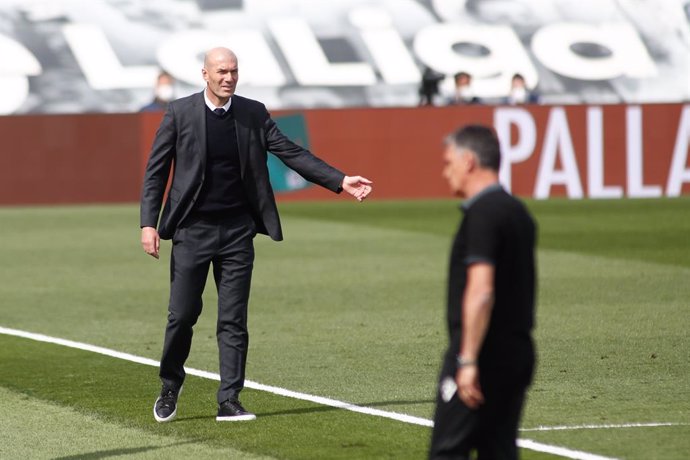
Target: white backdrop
[[103, 55]]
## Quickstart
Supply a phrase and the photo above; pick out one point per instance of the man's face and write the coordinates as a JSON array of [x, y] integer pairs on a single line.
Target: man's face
[[221, 75], [165, 80], [462, 81], [518, 83], [455, 169]]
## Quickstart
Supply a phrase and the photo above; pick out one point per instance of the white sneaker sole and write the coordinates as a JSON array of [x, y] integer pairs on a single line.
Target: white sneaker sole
[[236, 418], [170, 417]]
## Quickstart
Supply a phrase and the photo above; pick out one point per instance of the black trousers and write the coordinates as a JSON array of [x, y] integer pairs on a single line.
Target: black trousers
[[227, 245], [492, 429]]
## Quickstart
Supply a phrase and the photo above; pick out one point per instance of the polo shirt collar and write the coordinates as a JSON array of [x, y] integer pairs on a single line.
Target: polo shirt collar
[[488, 189]]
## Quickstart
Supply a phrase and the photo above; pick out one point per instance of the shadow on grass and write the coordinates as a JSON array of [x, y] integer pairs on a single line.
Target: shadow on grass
[[312, 410], [119, 452]]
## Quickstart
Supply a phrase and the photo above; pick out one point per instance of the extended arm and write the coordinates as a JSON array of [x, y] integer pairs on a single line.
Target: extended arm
[[478, 302], [311, 167]]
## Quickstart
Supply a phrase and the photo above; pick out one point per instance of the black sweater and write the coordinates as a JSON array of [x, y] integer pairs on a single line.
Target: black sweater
[[222, 194]]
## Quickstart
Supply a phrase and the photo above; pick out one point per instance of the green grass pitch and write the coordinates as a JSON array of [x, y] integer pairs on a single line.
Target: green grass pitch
[[350, 306]]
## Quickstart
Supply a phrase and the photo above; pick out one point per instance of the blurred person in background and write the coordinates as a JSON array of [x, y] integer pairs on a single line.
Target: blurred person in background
[[216, 143], [163, 93], [464, 93], [491, 293], [519, 94], [428, 88]]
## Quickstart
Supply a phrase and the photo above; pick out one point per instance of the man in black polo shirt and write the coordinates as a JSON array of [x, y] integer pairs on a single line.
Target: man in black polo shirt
[[491, 289]]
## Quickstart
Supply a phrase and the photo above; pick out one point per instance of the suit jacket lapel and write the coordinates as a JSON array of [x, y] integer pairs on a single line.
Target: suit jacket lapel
[[199, 120], [242, 128]]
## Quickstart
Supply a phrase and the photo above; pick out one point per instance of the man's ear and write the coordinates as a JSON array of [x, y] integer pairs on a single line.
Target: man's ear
[[471, 160]]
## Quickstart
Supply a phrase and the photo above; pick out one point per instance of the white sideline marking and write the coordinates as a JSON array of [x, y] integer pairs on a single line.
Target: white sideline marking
[[562, 451], [524, 443], [213, 376], [599, 427]]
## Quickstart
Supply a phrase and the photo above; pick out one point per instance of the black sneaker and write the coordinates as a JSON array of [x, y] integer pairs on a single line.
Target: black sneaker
[[165, 408], [232, 411]]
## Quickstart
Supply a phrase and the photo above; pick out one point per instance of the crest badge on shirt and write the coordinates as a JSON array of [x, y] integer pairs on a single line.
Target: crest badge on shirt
[[448, 388]]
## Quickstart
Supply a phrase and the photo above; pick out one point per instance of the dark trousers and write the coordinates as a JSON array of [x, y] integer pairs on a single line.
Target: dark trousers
[[492, 429], [227, 245]]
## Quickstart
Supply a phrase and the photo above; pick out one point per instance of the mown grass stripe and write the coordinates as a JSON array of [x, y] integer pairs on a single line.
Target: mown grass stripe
[[39, 429], [122, 392], [213, 376], [523, 443]]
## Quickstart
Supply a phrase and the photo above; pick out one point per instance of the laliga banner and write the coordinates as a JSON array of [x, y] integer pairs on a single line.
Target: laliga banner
[[65, 56]]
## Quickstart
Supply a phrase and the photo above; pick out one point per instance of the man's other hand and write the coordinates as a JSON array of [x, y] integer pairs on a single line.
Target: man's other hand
[[469, 391], [150, 241]]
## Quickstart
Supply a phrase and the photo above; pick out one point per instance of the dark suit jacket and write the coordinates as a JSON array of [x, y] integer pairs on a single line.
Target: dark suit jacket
[[180, 144]]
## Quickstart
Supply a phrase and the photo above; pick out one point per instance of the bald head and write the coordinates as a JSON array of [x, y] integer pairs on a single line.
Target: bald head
[[221, 74], [218, 54]]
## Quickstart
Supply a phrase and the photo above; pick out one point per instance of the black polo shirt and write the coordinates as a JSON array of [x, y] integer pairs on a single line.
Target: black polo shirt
[[498, 229]]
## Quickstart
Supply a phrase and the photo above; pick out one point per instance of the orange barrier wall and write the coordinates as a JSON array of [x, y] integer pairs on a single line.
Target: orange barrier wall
[[575, 151], [47, 159]]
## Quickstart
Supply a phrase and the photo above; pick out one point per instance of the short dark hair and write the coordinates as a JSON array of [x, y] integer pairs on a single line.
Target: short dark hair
[[164, 74], [459, 75], [481, 140]]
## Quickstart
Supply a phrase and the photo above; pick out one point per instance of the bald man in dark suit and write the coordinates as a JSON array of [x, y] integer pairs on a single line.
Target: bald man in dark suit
[[216, 144]]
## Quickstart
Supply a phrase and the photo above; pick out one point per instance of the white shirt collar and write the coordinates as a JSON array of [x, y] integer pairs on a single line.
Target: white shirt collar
[[210, 105]]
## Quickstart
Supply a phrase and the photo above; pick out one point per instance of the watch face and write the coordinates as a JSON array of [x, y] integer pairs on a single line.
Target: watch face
[[465, 362]]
